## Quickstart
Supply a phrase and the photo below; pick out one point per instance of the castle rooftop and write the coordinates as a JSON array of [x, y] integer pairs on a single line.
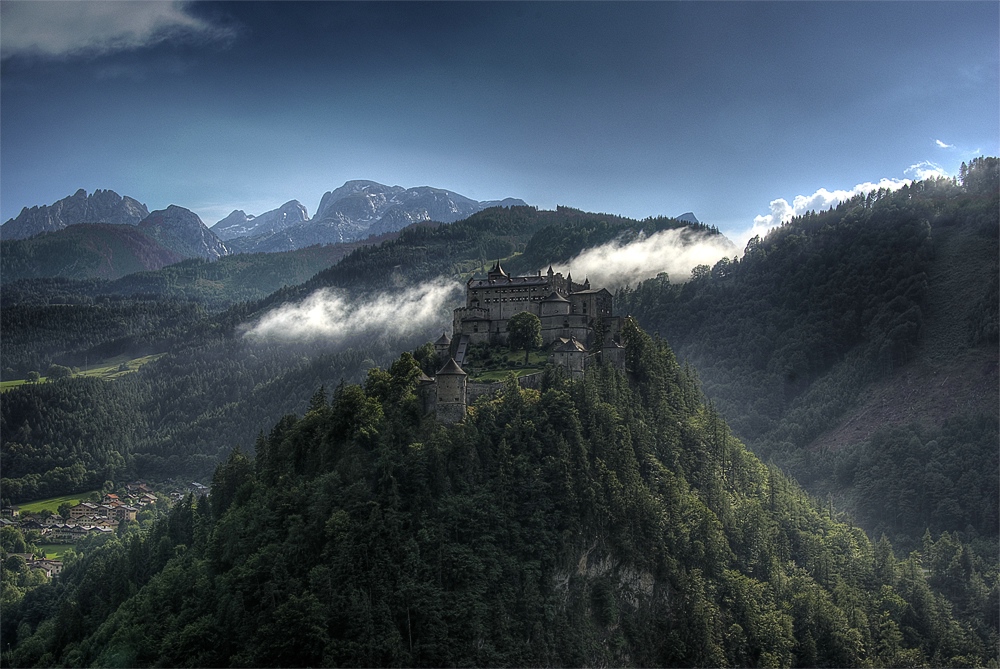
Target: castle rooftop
[[451, 368]]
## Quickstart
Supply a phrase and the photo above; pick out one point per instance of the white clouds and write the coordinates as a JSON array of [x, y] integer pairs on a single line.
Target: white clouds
[[675, 252], [943, 145], [332, 316], [822, 199], [59, 29], [926, 170]]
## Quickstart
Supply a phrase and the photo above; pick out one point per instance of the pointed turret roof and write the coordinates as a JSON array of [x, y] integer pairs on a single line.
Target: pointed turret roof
[[555, 297], [497, 270], [451, 368], [570, 347], [443, 340]]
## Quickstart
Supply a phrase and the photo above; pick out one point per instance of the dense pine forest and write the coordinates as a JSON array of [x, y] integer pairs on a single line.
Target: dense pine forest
[[613, 520], [617, 520], [857, 349]]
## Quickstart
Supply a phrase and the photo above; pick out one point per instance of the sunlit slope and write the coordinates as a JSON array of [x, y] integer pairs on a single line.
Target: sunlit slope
[[843, 325]]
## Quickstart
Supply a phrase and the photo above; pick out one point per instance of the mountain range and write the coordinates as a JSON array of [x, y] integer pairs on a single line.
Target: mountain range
[[105, 235], [103, 249], [104, 206], [355, 211]]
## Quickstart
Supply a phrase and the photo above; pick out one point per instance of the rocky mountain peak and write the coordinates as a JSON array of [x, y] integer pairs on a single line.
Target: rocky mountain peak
[[103, 206], [240, 224], [181, 230]]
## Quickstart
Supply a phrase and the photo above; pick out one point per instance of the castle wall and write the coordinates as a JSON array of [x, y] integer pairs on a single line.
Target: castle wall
[[476, 390]]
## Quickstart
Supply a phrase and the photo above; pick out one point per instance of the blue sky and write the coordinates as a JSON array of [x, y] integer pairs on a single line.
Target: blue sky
[[725, 109]]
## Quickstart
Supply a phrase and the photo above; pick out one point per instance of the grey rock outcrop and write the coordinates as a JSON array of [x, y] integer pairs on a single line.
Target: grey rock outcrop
[[182, 231], [103, 206], [240, 224], [361, 209]]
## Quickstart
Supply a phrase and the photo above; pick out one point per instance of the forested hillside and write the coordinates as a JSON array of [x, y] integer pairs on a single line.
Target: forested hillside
[[84, 251], [213, 389], [857, 349], [609, 521]]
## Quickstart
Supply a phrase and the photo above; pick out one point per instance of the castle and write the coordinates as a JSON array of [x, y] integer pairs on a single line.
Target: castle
[[576, 324]]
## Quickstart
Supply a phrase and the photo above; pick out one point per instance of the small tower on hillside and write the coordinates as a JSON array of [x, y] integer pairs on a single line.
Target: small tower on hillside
[[441, 347], [613, 354], [426, 392], [451, 398], [570, 355]]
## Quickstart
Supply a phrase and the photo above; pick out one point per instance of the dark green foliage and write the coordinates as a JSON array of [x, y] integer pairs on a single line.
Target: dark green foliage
[[787, 338], [38, 335], [84, 251], [905, 480], [611, 521], [574, 230], [525, 331], [178, 416]]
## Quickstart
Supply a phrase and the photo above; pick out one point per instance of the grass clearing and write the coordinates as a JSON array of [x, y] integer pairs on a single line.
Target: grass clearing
[[118, 366], [54, 551], [109, 369], [53, 503], [501, 374]]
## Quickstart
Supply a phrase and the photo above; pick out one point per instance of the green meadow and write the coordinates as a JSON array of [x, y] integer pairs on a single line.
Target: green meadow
[[109, 369], [53, 503]]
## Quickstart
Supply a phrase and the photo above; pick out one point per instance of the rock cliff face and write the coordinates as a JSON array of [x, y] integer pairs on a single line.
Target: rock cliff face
[[104, 206], [182, 231], [240, 224], [361, 209]]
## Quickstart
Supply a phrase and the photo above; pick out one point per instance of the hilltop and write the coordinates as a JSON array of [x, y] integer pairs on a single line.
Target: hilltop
[[608, 521]]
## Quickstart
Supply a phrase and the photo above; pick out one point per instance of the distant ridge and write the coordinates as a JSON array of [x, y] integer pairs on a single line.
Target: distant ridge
[[355, 211], [104, 206], [84, 251], [109, 251], [240, 224], [182, 231]]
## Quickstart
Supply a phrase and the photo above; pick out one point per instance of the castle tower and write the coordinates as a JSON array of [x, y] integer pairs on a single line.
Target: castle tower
[[613, 354], [497, 272], [570, 356], [425, 391], [554, 305], [441, 347], [451, 385]]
